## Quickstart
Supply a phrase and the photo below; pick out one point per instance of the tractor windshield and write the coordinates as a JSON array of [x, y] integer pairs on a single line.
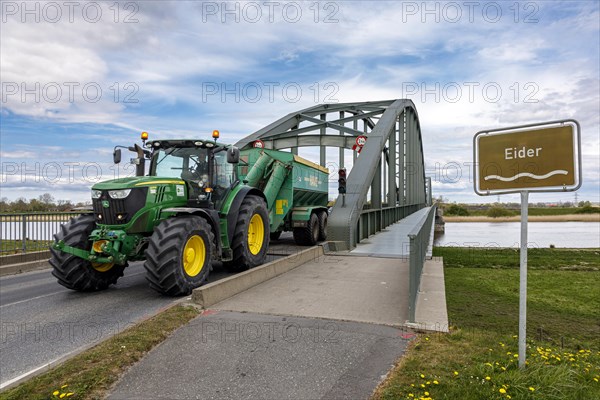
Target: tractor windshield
[[187, 163]]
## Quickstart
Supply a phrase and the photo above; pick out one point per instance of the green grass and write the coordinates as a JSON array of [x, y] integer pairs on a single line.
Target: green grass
[[90, 374], [482, 292], [546, 259]]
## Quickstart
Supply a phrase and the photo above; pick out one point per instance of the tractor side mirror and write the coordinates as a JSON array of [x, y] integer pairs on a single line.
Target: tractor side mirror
[[233, 155], [117, 156]]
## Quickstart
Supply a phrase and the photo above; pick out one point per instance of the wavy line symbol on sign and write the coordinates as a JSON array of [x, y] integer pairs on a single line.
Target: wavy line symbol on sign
[[527, 174]]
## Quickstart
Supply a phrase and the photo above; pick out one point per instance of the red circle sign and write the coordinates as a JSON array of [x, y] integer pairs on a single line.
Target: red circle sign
[[259, 144], [361, 140]]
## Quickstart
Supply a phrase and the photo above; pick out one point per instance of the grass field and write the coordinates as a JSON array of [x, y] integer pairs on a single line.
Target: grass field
[[477, 360]]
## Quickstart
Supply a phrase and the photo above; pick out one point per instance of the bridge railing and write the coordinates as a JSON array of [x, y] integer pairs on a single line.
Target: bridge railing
[[30, 232], [420, 238], [372, 221]]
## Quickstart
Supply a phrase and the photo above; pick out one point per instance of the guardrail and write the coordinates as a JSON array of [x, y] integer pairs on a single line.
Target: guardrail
[[372, 221], [420, 238], [30, 232]]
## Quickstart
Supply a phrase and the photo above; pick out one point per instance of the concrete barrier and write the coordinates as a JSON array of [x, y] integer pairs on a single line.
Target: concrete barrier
[[25, 257], [19, 263], [14, 269], [220, 290]]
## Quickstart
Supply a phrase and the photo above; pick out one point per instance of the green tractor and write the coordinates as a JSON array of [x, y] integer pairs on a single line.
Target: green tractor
[[192, 209]]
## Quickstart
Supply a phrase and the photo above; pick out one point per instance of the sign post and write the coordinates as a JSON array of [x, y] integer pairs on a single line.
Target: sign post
[[544, 157]]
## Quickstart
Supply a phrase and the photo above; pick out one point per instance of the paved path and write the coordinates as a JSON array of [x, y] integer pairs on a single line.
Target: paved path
[[393, 241], [232, 355]]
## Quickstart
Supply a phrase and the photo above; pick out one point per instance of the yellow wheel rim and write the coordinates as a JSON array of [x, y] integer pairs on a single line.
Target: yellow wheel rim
[[256, 234], [194, 254], [102, 267]]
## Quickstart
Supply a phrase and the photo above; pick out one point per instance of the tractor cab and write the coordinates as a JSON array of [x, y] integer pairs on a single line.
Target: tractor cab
[[203, 165]]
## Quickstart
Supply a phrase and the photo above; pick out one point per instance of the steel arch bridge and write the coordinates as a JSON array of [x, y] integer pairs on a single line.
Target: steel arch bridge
[[387, 181]]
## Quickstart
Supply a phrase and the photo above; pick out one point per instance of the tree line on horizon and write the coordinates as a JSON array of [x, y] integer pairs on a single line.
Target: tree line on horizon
[[43, 203]]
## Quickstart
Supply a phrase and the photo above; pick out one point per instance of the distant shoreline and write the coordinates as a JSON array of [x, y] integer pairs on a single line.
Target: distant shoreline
[[532, 218]]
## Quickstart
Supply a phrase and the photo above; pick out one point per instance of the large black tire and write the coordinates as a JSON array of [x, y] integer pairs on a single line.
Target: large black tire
[[76, 273], [275, 235], [179, 255], [250, 243], [322, 216], [308, 235]]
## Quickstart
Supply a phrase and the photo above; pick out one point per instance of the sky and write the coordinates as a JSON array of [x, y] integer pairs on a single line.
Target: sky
[[78, 78]]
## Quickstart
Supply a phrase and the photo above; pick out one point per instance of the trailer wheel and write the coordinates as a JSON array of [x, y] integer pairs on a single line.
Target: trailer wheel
[[251, 236], [322, 216], [275, 235], [76, 273], [308, 235], [179, 255]]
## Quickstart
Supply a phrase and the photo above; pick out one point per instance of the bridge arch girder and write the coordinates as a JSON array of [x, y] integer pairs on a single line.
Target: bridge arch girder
[[394, 135]]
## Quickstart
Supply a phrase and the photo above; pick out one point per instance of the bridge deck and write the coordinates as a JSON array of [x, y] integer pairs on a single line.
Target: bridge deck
[[393, 241]]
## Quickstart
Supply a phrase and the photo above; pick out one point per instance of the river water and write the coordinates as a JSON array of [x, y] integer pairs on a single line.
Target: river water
[[507, 234]]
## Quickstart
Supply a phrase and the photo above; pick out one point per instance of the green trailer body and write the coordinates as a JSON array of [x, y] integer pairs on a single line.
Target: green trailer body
[[294, 187]]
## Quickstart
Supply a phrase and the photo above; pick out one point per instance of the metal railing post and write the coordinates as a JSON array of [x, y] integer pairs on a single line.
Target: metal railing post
[[24, 233]]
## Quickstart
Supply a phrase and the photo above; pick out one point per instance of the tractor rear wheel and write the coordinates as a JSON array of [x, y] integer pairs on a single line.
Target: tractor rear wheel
[[76, 273], [308, 235], [322, 216], [251, 236], [179, 255]]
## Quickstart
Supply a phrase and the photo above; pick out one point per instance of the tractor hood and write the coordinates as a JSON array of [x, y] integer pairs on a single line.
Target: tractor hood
[[136, 181]]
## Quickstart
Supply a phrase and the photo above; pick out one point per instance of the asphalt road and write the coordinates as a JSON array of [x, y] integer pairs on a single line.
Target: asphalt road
[[41, 321]]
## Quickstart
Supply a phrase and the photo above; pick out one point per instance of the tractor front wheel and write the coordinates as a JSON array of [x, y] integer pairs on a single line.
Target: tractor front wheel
[[179, 255], [76, 273], [251, 236]]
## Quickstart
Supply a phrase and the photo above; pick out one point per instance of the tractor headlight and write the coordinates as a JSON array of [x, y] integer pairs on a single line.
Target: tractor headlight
[[96, 194], [119, 194]]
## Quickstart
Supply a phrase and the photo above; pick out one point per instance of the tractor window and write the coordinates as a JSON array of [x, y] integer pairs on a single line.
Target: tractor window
[[224, 172], [185, 163]]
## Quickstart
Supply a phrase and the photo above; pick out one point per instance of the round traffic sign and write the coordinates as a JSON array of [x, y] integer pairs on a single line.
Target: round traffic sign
[[361, 140]]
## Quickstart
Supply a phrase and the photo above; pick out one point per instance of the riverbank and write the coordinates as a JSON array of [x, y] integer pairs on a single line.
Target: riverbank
[[532, 218]]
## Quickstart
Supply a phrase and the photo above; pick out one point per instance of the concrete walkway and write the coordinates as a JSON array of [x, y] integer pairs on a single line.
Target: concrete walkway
[[393, 241]]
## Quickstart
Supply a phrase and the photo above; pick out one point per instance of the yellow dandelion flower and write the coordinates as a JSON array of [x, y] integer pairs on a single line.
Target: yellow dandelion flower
[[487, 378], [515, 355], [411, 395], [422, 385], [503, 368], [502, 390], [455, 373], [422, 376], [62, 395], [532, 388], [436, 383], [596, 379], [428, 383], [426, 393], [55, 393], [426, 338]]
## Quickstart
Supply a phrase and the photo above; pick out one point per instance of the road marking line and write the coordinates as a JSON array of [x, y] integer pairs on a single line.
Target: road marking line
[[33, 298]]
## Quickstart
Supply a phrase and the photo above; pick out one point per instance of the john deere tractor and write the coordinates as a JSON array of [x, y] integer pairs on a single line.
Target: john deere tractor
[[191, 209]]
